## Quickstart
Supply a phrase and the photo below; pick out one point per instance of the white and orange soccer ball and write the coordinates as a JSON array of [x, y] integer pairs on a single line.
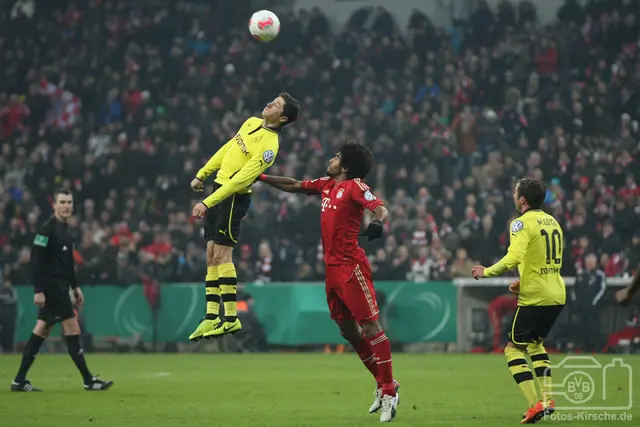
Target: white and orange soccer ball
[[264, 25]]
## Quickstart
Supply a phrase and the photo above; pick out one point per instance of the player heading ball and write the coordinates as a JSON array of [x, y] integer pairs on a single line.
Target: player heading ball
[[238, 164]]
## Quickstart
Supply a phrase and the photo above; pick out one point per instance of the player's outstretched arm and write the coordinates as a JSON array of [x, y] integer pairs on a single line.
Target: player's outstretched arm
[[283, 183], [515, 254]]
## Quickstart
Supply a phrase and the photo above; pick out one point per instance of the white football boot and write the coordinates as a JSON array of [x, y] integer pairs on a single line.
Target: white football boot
[[377, 398], [389, 407]]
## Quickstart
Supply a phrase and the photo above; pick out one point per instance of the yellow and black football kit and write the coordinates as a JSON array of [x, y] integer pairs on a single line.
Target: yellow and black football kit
[[238, 163], [536, 247]]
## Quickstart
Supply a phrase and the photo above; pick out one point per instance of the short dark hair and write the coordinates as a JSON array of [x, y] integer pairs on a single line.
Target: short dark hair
[[533, 191], [356, 159], [290, 109], [63, 191]]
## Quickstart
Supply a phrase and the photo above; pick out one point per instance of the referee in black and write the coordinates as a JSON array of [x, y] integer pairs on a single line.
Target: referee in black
[[53, 273]]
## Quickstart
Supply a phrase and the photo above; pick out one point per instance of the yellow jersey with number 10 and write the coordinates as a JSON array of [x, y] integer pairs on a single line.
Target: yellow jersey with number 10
[[241, 160], [536, 247]]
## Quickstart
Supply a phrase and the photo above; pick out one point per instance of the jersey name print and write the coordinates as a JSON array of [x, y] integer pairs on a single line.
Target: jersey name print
[[536, 247]]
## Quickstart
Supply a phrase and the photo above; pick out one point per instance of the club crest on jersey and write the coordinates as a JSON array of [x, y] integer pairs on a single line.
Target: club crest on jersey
[[516, 226], [340, 193], [268, 156], [368, 196]]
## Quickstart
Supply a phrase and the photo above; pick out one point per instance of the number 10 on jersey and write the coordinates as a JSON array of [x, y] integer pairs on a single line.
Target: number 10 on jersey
[[554, 246]]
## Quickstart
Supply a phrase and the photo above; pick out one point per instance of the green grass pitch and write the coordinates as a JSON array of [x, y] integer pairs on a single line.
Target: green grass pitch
[[278, 390]]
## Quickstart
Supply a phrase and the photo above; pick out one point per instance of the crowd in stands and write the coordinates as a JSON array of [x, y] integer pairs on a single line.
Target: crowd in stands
[[124, 103]]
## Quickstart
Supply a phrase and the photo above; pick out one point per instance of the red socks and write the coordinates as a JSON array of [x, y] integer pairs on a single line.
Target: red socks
[[368, 357], [382, 349]]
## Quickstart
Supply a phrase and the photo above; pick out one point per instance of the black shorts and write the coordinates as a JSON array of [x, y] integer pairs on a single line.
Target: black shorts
[[57, 307], [222, 222], [531, 324]]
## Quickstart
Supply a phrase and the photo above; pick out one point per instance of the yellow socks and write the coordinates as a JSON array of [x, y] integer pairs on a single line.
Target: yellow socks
[[542, 368], [521, 373], [228, 281], [213, 293]]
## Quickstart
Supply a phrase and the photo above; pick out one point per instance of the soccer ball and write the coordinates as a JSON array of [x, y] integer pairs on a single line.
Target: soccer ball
[[264, 25]]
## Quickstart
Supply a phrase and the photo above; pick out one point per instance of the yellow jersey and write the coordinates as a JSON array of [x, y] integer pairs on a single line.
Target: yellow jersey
[[536, 247], [241, 160]]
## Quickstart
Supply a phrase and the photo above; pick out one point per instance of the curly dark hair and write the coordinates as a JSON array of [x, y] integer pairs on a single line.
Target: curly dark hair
[[533, 191], [291, 108], [356, 159]]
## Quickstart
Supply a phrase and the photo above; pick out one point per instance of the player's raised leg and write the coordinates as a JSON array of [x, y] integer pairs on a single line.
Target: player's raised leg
[[39, 335], [212, 290], [71, 330]]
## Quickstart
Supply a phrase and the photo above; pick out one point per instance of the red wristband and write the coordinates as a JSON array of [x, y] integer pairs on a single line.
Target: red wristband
[[262, 177]]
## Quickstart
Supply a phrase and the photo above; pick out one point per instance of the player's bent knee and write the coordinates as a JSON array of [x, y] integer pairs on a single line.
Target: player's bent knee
[[371, 328], [350, 331]]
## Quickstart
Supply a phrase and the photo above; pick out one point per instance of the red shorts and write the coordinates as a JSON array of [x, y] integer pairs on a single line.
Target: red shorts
[[350, 292]]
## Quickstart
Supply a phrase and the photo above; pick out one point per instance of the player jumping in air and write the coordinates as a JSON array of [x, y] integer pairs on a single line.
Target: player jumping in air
[[537, 244], [238, 163], [349, 285]]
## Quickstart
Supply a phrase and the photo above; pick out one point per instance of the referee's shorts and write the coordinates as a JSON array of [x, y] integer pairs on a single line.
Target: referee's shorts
[[58, 306], [531, 324], [222, 222]]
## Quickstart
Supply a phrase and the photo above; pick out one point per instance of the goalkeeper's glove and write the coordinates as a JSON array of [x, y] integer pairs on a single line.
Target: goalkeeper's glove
[[374, 230]]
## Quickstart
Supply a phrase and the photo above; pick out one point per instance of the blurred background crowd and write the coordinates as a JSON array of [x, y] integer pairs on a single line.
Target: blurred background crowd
[[124, 101]]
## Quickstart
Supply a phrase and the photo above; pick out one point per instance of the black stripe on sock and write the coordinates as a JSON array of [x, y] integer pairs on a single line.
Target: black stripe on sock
[[539, 357], [543, 371], [516, 362], [213, 298], [228, 281], [523, 376], [228, 297]]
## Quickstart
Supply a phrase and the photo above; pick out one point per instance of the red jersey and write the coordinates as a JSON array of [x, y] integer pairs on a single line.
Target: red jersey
[[341, 217]]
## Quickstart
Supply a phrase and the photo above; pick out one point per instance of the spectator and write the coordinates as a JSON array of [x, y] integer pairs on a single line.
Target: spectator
[[124, 109]]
